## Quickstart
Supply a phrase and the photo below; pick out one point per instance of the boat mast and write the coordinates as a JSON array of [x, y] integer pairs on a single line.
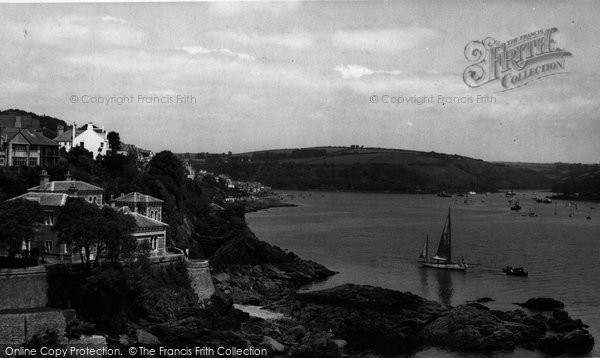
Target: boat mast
[[427, 250], [449, 237]]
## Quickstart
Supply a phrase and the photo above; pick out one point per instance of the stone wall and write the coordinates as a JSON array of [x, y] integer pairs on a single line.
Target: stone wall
[[23, 288], [19, 326], [199, 273]]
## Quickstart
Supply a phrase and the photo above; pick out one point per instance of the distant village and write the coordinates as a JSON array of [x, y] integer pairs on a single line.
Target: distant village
[[22, 143]]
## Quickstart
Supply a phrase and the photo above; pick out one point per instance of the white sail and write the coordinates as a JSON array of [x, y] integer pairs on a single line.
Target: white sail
[[445, 247], [424, 253]]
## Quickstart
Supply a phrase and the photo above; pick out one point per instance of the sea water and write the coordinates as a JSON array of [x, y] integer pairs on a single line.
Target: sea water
[[375, 239]]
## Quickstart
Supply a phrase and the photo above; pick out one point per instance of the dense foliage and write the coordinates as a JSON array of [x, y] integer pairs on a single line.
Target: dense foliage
[[17, 222], [91, 229], [114, 295]]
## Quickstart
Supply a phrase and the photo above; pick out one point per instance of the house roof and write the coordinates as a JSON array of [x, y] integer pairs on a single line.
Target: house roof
[[67, 136], [30, 136], [45, 199], [142, 221], [136, 197], [65, 185]]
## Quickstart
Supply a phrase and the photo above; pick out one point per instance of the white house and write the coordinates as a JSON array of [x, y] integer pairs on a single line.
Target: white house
[[91, 138]]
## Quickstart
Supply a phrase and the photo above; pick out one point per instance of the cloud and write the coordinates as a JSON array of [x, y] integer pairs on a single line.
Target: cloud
[[194, 50], [392, 40], [296, 41], [68, 31], [356, 71], [232, 8]]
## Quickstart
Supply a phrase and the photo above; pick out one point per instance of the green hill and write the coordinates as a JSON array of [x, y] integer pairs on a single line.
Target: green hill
[[373, 169]]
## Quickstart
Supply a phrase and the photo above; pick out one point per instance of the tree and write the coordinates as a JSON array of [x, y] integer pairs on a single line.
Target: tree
[[17, 220], [166, 163], [114, 142], [115, 234], [78, 224]]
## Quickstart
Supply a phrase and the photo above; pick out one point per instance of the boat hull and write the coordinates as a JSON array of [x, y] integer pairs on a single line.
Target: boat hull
[[445, 266]]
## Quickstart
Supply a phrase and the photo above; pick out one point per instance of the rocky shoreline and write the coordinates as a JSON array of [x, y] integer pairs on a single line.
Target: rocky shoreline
[[360, 321]]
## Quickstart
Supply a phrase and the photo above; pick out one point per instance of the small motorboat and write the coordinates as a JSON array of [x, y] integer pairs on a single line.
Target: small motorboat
[[516, 206], [515, 271]]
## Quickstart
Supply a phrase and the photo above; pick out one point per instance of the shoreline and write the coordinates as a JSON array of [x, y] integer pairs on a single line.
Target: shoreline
[[372, 320]]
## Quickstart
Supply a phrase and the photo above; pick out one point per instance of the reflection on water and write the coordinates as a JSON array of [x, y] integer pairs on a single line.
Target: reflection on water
[[444, 286], [423, 275]]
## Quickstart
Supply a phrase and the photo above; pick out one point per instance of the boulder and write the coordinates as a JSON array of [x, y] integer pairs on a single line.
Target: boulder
[[274, 346], [578, 341], [484, 300], [340, 343], [542, 304], [144, 337], [468, 328], [221, 277], [296, 332], [221, 302], [560, 315]]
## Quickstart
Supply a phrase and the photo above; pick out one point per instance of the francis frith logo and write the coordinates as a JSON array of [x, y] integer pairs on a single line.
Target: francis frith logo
[[516, 62]]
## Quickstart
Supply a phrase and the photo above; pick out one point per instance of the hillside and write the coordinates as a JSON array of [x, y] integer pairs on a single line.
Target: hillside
[[373, 169], [47, 123]]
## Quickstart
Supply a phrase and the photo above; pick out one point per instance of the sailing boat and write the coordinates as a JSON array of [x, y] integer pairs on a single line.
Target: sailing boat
[[424, 257], [443, 257]]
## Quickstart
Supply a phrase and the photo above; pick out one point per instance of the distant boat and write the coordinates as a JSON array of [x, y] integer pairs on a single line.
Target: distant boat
[[510, 193], [534, 212], [516, 206], [443, 256], [515, 271], [444, 195], [472, 193]]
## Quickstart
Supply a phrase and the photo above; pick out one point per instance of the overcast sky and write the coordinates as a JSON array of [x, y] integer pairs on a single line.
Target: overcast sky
[[301, 74]]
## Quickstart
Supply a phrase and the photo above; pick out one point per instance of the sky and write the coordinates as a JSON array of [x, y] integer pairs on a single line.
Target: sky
[[267, 75]]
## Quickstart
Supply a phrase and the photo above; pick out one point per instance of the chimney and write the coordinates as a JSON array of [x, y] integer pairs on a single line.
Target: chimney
[[18, 122], [73, 135], [90, 126], [44, 179], [59, 130], [72, 191], [68, 176]]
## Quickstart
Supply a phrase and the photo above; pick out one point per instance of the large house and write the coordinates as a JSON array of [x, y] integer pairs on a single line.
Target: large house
[[52, 195], [73, 188], [91, 138], [141, 203], [22, 146]]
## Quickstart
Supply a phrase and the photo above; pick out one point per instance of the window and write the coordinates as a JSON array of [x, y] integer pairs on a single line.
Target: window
[[48, 244], [33, 147], [101, 145], [154, 242], [16, 161], [49, 219], [33, 162], [94, 200], [19, 147], [90, 199]]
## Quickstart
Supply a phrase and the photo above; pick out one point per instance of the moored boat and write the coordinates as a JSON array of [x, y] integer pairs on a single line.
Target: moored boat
[[516, 206], [443, 256], [515, 271]]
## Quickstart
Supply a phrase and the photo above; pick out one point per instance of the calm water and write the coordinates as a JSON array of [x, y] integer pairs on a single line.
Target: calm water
[[375, 239]]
